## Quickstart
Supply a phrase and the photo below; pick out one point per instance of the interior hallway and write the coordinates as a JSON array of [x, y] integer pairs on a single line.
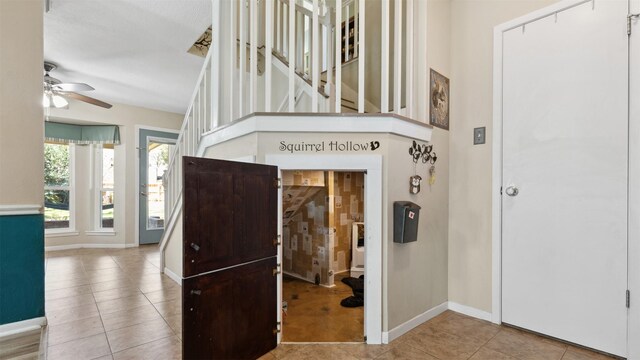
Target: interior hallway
[[114, 304]]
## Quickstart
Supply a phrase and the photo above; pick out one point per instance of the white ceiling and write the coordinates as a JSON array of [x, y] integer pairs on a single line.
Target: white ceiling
[[131, 51]]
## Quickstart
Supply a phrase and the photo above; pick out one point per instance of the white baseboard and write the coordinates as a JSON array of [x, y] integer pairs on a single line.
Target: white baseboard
[[22, 326], [173, 276], [407, 326], [88, 246], [469, 311]]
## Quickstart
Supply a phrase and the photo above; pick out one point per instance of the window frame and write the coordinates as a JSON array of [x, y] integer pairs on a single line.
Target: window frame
[[97, 189], [72, 193]]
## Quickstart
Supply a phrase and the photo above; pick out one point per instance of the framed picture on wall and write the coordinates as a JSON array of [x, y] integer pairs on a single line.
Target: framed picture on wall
[[439, 100]]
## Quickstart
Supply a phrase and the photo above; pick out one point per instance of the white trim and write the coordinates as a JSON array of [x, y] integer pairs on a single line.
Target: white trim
[[470, 311], [100, 233], [31, 209], [169, 228], [319, 123], [88, 246], [22, 326], [408, 325], [372, 164], [173, 276], [137, 129], [63, 233]]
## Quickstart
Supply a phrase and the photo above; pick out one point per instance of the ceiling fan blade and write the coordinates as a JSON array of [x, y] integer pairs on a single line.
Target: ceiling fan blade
[[72, 87], [87, 99]]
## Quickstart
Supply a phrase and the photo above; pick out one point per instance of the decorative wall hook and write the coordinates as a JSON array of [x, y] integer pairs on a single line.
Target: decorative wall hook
[[424, 152]]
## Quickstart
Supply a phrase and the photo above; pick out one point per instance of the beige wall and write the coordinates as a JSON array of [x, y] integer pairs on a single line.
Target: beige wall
[[472, 26], [127, 117], [21, 125]]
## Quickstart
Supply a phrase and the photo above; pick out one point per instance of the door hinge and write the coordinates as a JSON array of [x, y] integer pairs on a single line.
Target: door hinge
[[277, 241], [277, 183], [630, 18], [628, 299], [278, 328], [277, 270]]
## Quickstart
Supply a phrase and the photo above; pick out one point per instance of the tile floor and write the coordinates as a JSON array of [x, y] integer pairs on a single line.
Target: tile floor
[[115, 304], [315, 315]]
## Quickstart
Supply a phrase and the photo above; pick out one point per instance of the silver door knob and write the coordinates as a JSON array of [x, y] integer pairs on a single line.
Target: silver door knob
[[511, 191]]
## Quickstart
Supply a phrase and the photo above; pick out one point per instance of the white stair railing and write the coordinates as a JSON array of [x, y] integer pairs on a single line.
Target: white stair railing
[[310, 37]]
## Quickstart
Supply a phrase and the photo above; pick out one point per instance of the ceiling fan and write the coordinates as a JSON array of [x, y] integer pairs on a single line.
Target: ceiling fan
[[56, 92]]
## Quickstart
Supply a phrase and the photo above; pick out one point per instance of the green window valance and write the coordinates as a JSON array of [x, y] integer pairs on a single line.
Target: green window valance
[[81, 134]]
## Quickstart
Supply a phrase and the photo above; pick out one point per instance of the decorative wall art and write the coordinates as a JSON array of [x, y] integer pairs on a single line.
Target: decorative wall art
[[439, 100], [425, 154]]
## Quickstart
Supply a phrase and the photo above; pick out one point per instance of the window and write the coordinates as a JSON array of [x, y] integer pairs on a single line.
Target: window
[[58, 187], [105, 161]]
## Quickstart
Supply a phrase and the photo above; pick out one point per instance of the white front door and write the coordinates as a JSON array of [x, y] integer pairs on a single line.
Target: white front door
[[565, 163]]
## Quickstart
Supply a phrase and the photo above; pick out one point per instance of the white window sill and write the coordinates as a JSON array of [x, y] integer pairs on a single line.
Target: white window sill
[[101, 233], [61, 233]]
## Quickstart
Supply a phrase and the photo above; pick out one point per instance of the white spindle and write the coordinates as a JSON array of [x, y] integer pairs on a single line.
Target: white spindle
[[243, 58], [329, 58], [233, 87], [253, 56], [356, 28], [338, 44], [315, 54], [397, 58], [384, 63], [409, 66], [215, 61], [268, 44], [292, 55], [361, 64], [346, 36]]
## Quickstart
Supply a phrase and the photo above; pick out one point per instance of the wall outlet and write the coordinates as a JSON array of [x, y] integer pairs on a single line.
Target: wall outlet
[[478, 135]]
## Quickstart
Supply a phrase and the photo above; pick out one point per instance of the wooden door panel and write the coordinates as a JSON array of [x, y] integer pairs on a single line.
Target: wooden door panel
[[230, 314], [228, 211]]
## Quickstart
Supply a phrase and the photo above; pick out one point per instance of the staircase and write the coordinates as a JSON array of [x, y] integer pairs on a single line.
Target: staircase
[[301, 56]]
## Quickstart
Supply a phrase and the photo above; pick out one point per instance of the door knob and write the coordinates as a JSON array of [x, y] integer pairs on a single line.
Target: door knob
[[511, 191]]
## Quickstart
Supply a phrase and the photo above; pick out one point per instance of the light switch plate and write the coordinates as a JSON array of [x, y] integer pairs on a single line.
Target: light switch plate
[[478, 135]]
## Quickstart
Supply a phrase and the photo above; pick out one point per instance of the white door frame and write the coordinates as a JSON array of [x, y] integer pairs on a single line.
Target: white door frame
[[633, 349], [372, 165], [137, 173]]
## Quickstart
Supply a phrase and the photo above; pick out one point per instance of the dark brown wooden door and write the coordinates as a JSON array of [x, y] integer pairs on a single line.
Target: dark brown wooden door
[[229, 233]]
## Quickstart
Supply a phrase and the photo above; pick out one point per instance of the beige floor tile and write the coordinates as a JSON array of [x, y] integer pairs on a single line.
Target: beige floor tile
[[163, 295], [472, 330], [118, 293], [87, 348], [175, 323], [67, 292], [100, 263], [69, 302], [166, 348], [74, 330], [109, 285], [267, 356], [18, 346], [524, 346], [61, 316], [405, 352], [443, 345], [139, 334], [106, 357], [364, 351], [64, 283], [169, 308], [576, 353], [111, 306], [486, 354], [125, 318], [318, 352]]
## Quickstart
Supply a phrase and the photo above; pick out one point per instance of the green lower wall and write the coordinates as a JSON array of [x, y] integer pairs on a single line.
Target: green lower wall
[[21, 267]]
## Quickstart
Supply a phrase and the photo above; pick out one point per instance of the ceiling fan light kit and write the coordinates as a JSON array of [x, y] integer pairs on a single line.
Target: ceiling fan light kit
[[55, 91]]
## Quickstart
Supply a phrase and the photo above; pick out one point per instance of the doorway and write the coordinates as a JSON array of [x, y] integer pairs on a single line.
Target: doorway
[[155, 147], [323, 246], [372, 166], [562, 231]]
